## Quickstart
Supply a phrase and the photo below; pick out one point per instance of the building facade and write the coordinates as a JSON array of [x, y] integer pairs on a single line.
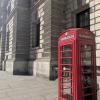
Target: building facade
[[15, 35], [31, 28]]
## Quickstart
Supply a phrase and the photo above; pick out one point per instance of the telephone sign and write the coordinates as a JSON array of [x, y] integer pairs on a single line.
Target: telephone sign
[[77, 65]]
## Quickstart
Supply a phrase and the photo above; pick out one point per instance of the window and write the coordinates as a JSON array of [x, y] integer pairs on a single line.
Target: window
[[83, 19], [37, 41], [7, 38]]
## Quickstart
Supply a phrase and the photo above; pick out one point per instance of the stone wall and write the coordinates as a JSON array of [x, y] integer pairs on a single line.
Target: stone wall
[[18, 24], [3, 15], [22, 37], [57, 27], [23, 30], [40, 56]]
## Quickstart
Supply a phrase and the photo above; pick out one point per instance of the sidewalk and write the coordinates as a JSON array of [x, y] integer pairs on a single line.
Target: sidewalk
[[27, 88]]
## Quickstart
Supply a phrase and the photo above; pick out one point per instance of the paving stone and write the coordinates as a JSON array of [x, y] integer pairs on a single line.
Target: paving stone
[[26, 88]]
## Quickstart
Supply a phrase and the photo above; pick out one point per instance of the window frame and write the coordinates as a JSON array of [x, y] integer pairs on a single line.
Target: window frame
[[79, 16]]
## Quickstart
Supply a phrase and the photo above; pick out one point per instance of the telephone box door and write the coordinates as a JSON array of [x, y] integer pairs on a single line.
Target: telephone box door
[[65, 71], [87, 71]]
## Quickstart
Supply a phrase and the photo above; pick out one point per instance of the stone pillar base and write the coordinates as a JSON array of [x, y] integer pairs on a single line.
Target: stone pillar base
[[39, 68], [16, 67]]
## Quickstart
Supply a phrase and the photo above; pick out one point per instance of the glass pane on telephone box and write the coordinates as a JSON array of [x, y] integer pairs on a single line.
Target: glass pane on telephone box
[[66, 71], [66, 60], [66, 47], [67, 54], [86, 63]]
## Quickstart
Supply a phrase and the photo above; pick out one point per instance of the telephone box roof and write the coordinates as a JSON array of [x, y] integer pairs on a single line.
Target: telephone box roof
[[77, 32]]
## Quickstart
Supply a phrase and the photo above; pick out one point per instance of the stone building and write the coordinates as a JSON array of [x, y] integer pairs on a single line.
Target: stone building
[[15, 35], [31, 27]]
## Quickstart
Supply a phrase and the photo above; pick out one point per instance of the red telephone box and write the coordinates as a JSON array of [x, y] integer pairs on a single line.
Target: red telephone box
[[77, 65]]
